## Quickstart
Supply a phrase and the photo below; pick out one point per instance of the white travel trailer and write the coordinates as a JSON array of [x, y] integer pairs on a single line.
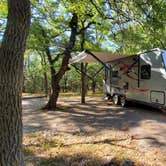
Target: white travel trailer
[[140, 78]]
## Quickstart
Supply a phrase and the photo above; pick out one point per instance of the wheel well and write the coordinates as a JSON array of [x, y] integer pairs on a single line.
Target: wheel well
[[109, 96]]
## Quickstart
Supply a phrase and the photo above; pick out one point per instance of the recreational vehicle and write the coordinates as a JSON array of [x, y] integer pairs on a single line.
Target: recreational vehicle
[[140, 78]]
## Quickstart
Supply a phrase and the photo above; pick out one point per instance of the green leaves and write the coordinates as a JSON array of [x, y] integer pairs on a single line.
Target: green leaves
[[3, 7], [146, 28]]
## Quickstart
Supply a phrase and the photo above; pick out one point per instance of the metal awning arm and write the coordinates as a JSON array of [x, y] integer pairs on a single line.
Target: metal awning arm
[[78, 70], [98, 71], [95, 57]]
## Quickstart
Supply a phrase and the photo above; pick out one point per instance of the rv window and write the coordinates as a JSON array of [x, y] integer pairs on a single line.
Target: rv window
[[164, 58], [145, 72], [115, 73]]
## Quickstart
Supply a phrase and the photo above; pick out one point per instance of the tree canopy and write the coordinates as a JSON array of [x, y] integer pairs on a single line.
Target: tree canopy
[[116, 26]]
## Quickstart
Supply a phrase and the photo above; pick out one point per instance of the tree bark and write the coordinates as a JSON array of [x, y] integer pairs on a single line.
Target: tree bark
[[55, 89], [11, 76], [83, 83]]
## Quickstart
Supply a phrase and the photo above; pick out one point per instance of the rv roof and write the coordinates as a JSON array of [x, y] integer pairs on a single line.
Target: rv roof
[[89, 57]]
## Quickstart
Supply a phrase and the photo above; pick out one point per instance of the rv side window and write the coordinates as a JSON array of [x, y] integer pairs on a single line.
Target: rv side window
[[115, 73], [145, 72]]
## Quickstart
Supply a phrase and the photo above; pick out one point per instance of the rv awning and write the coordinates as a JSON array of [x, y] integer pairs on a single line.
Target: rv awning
[[89, 57]]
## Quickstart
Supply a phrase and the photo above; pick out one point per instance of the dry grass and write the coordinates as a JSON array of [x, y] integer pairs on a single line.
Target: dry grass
[[32, 94], [66, 94], [86, 149], [89, 94]]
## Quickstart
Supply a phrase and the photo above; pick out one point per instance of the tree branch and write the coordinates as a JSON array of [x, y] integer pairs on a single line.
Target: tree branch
[[85, 27], [57, 57]]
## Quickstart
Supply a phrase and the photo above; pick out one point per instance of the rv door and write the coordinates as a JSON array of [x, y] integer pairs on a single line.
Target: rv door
[[106, 80]]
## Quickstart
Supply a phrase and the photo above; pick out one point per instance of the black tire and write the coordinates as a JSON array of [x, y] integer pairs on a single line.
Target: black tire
[[116, 100], [123, 101], [107, 97]]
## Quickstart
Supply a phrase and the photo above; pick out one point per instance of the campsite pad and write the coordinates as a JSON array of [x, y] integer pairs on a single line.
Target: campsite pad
[[145, 126]]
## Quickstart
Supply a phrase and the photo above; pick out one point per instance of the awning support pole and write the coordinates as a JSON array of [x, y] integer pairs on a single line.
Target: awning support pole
[[95, 57], [83, 82], [98, 72], [79, 71]]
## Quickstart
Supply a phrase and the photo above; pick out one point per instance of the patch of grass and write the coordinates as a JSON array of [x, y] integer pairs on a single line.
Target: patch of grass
[[84, 149], [69, 94], [96, 94], [32, 94]]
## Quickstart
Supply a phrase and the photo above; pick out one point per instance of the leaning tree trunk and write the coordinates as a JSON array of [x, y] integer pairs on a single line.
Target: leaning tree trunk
[[55, 89], [56, 77], [11, 74]]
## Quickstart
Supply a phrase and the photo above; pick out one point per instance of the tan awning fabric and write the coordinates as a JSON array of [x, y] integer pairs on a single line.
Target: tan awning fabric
[[88, 58]]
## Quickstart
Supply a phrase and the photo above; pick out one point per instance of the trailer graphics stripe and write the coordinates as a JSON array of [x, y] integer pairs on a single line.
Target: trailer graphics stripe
[[141, 89]]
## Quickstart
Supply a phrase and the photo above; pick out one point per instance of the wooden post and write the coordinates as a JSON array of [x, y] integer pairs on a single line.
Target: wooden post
[[83, 83]]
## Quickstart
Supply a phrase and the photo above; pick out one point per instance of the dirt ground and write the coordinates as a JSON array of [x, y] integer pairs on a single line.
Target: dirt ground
[[145, 125]]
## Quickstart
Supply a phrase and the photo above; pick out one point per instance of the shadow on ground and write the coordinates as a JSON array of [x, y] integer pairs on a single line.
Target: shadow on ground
[[144, 123], [77, 159]]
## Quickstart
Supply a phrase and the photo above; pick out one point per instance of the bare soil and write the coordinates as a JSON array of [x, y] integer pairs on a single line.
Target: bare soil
[[145, 126]]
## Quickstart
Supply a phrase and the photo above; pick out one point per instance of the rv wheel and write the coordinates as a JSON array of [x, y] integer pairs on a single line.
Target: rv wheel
[[123, 101], [115, 99]]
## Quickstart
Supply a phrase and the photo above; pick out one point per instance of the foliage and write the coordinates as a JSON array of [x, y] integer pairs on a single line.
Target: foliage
[[33, 73], [120, 26], [50, 31], [3, 16], [146, 29], [3, 7]]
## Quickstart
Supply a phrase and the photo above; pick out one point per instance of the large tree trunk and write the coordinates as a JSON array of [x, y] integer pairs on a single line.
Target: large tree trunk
[[11, 74], [55, 89]]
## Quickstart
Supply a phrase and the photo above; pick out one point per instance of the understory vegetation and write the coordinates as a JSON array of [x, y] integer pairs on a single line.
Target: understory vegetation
[[87, 149]]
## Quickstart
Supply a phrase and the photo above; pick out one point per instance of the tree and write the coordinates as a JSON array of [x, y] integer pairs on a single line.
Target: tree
[[57, 76], [35, 75], [11, 72], [145, 29], [58, 35]]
